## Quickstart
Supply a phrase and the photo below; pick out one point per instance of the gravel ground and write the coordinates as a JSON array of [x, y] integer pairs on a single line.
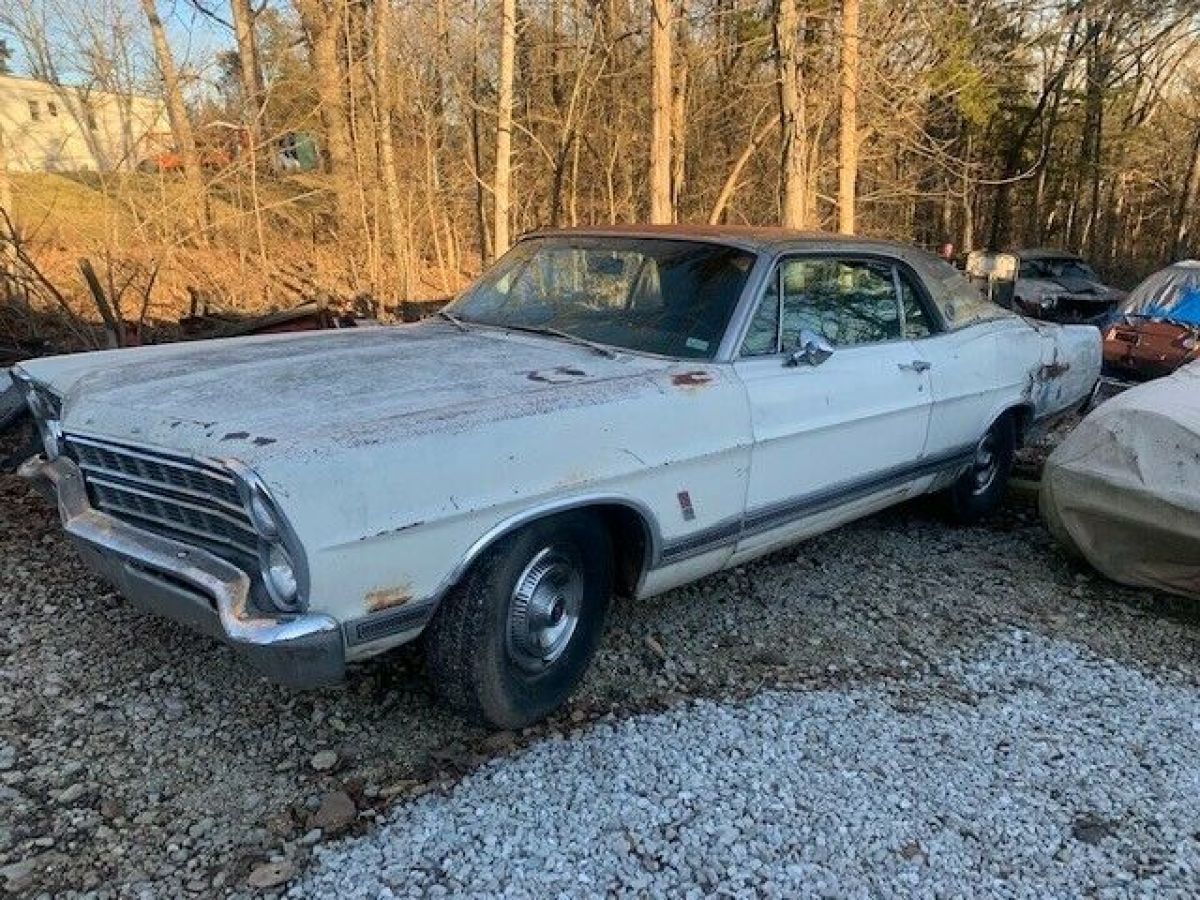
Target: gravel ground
[[138, 759], [1028, 769]]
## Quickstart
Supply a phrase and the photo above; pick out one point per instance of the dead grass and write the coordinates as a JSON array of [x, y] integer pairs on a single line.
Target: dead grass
[[138, 231]]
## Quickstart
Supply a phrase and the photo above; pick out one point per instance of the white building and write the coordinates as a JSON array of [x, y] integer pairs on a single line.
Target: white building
[[55, 128]]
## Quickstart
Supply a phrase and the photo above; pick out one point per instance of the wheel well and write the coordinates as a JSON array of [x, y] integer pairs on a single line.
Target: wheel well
[[631, 544], [629, 528], [1022, 418]]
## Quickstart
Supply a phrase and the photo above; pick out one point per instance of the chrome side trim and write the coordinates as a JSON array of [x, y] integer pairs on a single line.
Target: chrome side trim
[[723, 534], [784, 512], [388, 623]]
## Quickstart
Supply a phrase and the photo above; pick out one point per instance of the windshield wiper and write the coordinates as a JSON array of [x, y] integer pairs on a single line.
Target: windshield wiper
[[566, 336], [453, 319]]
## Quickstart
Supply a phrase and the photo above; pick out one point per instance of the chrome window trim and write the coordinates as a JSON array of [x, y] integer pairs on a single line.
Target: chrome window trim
[[896, 262]]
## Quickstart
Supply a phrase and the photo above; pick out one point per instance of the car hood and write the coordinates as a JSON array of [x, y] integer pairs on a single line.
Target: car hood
[[252, 398]]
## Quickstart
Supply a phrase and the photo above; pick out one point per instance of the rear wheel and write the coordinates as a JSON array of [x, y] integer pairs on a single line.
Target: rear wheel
[[512, 640], [980, 490]]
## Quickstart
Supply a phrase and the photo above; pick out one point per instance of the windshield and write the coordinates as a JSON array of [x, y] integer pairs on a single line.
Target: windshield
[[669, 297], [1067, 267]]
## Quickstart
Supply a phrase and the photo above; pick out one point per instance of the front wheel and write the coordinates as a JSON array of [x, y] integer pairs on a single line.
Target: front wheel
[[512, 640], [980, 490]]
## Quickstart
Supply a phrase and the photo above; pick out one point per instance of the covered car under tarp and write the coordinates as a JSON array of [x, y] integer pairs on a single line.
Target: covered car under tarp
[[1123, 488], [1157, 327]]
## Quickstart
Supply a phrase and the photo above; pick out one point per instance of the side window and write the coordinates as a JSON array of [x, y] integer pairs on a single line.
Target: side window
[[916, 317], [848, 302], [960, 302]]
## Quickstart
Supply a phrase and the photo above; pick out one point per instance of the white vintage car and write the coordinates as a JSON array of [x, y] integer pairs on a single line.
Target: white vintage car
[[604, 412]]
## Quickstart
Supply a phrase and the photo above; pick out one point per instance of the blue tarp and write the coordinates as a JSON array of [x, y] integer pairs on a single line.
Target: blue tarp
[[1172, 293]]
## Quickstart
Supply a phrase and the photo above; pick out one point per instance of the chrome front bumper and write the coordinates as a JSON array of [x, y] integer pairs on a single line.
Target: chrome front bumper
[[191, 586]]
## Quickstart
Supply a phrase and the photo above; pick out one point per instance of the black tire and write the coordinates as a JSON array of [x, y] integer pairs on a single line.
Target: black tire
[[980, 490], [480, 645]]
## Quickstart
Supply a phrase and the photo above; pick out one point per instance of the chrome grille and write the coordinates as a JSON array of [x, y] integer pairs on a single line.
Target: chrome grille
[[192, 501]]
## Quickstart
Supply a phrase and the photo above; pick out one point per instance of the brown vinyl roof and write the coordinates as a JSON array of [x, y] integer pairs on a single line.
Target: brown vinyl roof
[[747, 236]]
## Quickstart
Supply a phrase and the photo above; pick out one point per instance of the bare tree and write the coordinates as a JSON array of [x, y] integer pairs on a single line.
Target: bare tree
[[848, 130], [177, 114], [793, 168], [249, 67], [322, 22], [1187, 197], [385, 101], [502, 184], [661, 25]]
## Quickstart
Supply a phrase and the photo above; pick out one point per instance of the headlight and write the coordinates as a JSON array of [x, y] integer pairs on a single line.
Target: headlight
[[263, 515], [283, 569], [1047, 301], [279, 573]]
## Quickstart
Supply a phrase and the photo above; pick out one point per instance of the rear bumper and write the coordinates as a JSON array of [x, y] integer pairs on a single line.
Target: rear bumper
[[191, 586]]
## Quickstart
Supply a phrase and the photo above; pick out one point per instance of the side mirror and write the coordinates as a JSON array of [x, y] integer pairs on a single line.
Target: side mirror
[[812, 350]]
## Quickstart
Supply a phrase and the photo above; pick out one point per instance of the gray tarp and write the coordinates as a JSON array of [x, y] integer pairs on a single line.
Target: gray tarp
[[1123, 489]]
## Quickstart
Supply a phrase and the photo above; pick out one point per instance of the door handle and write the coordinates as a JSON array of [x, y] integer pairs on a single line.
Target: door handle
[[917, 365]]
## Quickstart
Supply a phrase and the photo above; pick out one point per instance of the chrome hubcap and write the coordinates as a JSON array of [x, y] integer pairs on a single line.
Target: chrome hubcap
[[986, 465], [543, 611]]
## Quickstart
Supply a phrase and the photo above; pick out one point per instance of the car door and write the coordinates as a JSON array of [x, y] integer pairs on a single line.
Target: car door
[[980, 363], [833, 437]]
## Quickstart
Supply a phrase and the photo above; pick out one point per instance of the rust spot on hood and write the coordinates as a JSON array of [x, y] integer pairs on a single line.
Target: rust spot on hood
[[386, 598], [557, 375], [697, 378]]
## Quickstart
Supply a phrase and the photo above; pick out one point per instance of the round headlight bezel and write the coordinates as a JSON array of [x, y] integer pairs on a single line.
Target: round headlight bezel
[[275, 539], [281, 577], [263, 516]]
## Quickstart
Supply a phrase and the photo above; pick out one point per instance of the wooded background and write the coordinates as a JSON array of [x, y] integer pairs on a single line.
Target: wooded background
[[448, 127]]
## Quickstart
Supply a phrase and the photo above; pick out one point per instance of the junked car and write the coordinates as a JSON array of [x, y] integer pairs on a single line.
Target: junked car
[[1157, 328], [605, 412], [1061, 287]]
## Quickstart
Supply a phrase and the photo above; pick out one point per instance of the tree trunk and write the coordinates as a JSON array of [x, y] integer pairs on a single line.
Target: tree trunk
[[177, 115], [7, 215], [1183, 212], [502, 185], [321, 23], [679, 111], [249, 70], [1093, 128], [848, 137], [792, 115], [381, 27], [476, 152], [5, 182], [660, 112]]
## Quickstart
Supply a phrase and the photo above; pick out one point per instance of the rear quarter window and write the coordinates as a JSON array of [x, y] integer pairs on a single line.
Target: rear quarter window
[[959, 302]]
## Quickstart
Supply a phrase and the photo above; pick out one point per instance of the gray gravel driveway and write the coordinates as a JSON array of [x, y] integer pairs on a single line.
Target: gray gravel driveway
[[1028, 769], [137, 759]]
